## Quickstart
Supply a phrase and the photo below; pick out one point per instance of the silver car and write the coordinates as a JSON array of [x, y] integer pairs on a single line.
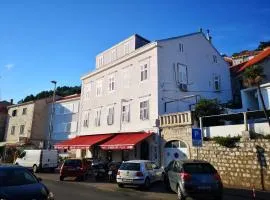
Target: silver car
[[139, 172], [193, 178]]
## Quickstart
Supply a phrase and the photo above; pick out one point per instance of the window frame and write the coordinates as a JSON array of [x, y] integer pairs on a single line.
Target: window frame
[[144, 72], [97, 117], [125, 114], [111, 80], [22, 127], [24, 111], [99, 88], [12, 131], [110, 115], [144, 110]]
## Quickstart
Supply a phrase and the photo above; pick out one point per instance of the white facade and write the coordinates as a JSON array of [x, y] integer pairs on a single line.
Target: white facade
[[152, 79], [65, 119], [251, 100]]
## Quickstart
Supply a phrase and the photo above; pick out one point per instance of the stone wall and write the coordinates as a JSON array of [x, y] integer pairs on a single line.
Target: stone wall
[[244, 166]]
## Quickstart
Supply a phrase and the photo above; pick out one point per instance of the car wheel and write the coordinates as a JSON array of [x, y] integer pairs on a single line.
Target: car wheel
[[120, 185], [61, 178], [179, 193], [35, 169], [147, 183]]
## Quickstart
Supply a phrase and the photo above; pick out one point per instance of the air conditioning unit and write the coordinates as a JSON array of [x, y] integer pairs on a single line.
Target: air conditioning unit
[[183, 87]]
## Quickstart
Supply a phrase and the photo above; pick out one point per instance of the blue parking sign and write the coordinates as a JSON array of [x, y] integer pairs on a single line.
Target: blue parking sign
[[196, 137]]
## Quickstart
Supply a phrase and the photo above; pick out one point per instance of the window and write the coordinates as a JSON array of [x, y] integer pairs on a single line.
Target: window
[[126, 48], [126, 113], [24, 111], [22, 129], [216, 83], [87, 90], [181, 47], [181, 73], [99, 88], [14, 113], [110, 117], [100, 61], [144, 110], [113, 55], [86, 119], [97, 117], [12, 130], [144, 72], [16, 177], [130, 166], [126, 78], [67, 127], [214, 59], [112, 82]]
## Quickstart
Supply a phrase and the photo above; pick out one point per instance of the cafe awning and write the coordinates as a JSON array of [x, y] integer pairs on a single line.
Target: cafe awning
[[125, 141], [82, 142]]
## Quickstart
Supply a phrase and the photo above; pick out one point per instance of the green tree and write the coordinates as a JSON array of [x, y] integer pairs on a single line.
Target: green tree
[[263, 45], [206, 107], [253, 77]]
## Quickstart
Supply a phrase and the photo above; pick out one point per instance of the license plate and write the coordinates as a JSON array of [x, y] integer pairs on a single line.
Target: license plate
[[110, 172], [127, 180], [204, 188]]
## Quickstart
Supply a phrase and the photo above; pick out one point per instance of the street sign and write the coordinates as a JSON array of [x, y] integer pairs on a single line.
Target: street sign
[[196, 137]]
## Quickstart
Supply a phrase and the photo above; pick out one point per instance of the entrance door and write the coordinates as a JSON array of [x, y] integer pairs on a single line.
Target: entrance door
[[175, 150], [144, 150]]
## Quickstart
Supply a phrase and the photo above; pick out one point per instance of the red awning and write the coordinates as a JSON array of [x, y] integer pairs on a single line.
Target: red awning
[[125, 141], [82, 142]]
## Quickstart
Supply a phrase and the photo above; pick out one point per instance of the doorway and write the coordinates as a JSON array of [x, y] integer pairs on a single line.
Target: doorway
[[145, 150]]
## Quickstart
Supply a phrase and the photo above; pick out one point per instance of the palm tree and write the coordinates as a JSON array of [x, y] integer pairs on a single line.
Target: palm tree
[[253, 77]]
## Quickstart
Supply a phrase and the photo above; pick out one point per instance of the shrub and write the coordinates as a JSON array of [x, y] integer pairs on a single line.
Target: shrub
[[229, 142]]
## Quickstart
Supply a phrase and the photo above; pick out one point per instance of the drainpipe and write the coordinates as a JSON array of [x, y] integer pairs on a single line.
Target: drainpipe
[[245, 121]]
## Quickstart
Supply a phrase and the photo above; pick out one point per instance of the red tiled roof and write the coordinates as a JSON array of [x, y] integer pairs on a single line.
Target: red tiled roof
[[258, 58]]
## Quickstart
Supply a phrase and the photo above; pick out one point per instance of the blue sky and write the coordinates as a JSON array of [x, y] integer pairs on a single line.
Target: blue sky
[[58, 40]]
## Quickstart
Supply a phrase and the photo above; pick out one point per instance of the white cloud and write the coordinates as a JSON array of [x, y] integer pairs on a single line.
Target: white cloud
[[9, 66]]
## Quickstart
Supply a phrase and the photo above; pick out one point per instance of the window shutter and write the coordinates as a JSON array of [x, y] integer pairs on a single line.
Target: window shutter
[[128, 113], [75, 107], [74, 126]]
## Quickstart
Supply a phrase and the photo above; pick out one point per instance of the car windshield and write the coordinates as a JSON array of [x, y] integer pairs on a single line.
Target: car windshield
[[130, 166], [199, 168], [73, 163], [16, 177]]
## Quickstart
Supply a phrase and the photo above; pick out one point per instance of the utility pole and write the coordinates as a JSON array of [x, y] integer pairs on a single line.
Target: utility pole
[[51, 117]]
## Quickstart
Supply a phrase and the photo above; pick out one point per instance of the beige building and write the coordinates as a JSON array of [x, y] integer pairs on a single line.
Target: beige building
[[28, 123]]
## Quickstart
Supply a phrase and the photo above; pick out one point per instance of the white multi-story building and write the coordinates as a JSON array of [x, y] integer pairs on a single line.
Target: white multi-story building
[[137, 80], [65, 118]]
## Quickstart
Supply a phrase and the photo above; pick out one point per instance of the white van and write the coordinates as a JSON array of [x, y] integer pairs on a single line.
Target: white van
[[38, 159]]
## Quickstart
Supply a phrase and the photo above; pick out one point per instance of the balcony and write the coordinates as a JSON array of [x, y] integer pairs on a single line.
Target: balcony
[[175, 119]]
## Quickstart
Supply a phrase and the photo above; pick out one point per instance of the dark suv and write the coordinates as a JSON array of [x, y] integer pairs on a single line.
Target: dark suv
[[193, 178], [74, 168]]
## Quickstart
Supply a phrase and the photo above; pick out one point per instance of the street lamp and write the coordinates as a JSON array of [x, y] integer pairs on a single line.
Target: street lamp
[[51, 118]]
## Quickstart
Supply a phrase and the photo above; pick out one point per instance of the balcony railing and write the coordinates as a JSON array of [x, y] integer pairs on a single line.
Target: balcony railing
[[175, 119]]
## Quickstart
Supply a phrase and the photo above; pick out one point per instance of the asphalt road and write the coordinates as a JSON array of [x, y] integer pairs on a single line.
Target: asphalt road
[[73, 190]]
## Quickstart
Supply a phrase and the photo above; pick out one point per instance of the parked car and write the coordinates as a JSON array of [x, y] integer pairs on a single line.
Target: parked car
[[138, 172], [74, 168], [193, 178], [38, 159], [17, 182], [113, 169], [100, 170]]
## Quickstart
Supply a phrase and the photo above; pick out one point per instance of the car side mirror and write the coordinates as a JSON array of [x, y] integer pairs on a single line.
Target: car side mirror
[[39, 179]]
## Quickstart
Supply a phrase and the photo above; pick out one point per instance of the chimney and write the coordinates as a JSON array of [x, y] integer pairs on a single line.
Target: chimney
[[207, 34], [11, 101]]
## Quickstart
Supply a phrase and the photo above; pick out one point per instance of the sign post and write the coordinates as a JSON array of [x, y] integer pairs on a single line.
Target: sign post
[[197, 138]]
